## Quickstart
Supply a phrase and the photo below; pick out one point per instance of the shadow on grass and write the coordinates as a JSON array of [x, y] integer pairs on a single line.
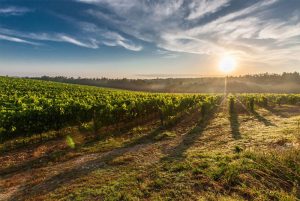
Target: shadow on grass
[[80, 170], [262, 119], [34, 163], [275, 112], [234, 124], [191, 137], [56, 155], [104, 135], [69, 175]]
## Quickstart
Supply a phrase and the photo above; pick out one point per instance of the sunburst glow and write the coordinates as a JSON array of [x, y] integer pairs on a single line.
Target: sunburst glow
[[227, 64]]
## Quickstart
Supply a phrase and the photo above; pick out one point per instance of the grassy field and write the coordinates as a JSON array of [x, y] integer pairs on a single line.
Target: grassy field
[[234, 155]]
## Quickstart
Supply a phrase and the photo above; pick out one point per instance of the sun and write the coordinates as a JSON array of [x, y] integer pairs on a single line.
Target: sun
[[227, 64]]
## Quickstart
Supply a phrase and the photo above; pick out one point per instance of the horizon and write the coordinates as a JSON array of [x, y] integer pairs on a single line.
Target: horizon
[[155, 76], [134, 39]]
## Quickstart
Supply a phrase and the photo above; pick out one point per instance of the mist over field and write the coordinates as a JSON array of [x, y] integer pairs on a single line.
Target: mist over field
[[259, 83]]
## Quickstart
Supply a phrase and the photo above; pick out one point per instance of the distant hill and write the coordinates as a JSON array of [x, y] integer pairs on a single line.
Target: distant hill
[[257, 83]]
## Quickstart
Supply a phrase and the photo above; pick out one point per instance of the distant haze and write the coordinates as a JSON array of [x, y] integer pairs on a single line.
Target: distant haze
[[257, 83]]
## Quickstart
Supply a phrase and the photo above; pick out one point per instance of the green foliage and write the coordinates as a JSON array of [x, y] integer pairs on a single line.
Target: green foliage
[[268, 100], [238, 149], [165, 135], [70, 142], [250, 104], [31, 106], [231, 102]]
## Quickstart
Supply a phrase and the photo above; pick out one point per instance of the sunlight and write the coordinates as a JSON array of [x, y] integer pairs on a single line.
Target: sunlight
[[227, 64]]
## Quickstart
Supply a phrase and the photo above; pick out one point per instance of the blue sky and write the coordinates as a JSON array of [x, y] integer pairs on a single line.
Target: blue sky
[[130, 38]]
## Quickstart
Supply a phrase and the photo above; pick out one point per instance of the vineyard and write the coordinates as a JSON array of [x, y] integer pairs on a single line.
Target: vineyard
[[30, 107], [174, 147]]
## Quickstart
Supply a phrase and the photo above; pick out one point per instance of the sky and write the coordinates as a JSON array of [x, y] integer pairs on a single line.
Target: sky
[[144, 38]]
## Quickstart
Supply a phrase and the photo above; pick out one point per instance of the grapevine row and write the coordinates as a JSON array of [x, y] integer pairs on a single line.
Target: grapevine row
[[268, 100], [30, 106]]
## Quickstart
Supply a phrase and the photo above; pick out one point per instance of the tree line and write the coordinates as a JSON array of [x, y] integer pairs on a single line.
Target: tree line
[[251, 83]]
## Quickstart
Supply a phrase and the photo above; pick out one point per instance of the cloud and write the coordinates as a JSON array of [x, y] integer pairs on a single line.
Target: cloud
[[126, 45], [15, 39], [55, 37], [93, 43], [205, 7], [58, 37], [14, 11], [166, 54], [98, 36], [279, 30], [250, 30], [108, 38], [94, 40], [115, 39], [141, 19], [253, 29]]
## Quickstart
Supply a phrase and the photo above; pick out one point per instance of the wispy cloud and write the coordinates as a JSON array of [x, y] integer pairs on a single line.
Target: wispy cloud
[[59, 37], [121, 43], [106, 37], [252, 30], [55, 37], [13, 11], [166, 54], [93, 43], [17, 40], [114, 39], [201, 8]]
